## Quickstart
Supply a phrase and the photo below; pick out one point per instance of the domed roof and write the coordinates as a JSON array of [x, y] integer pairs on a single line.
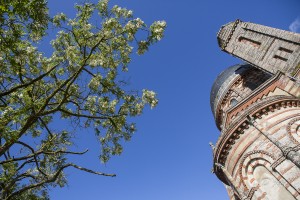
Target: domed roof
[[222, 82]]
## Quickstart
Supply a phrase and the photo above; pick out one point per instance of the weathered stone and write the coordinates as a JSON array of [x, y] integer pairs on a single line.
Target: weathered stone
[[257, 109], [264, 47]]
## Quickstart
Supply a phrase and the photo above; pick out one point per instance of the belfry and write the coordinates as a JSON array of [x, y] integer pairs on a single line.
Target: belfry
[[256, 106]]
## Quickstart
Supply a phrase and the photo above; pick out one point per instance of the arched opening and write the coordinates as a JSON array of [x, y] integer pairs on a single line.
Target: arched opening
[[233, 102], [270, 186]]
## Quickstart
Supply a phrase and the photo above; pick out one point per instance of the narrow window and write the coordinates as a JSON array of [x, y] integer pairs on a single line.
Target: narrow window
[[283, 54], [249, 41], [233, 102], [285, 50], [280, 58]]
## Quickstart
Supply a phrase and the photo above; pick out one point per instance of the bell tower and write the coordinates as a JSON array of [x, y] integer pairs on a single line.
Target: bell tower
[[256, 107], [267, 48]]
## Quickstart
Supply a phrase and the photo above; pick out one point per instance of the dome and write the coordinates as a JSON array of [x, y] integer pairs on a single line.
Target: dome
[[222, 82]]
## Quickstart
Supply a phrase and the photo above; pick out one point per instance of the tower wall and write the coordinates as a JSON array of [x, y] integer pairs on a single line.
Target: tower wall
[[254, 156], [267, 48], [257, 154], [252, 150]]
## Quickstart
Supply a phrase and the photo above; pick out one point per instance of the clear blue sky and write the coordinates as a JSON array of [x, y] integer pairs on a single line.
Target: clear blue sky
[[169, 157]]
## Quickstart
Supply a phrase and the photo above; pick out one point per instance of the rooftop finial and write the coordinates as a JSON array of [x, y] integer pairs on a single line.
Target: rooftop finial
[[212, 145]]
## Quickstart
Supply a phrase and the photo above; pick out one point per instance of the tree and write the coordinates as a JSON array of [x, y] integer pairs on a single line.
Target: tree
[[80, 82]]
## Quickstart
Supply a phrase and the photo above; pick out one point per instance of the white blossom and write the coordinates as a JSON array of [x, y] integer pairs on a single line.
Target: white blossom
[[30, 49], [149, 97], [139, 22]]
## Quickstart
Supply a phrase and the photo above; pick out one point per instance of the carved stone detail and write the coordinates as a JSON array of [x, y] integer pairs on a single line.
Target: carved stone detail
[[292, 132], [257, 110]]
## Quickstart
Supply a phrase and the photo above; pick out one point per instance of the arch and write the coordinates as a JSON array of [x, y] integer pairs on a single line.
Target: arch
[[233, 102], [255, 172], [269, 186], [293, 130], [252, 159]]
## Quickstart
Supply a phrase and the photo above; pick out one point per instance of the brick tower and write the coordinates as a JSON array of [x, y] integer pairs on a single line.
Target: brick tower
[[256, 106]]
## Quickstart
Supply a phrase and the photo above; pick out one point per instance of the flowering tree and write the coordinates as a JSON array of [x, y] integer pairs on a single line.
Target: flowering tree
[[80, 83]]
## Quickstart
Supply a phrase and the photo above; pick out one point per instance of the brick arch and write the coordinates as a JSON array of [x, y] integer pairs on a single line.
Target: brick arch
[[232, 96], [250, 161], [293, 129], [247, 166], [226, 102], [291, 124], [258, 190]]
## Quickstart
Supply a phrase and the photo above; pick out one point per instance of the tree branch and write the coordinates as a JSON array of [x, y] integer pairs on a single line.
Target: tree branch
[[34, 156], [82, 115], [54, 178], [28, 83]]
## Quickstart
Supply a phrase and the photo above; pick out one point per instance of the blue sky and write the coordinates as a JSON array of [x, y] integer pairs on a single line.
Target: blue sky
[[169, 156]]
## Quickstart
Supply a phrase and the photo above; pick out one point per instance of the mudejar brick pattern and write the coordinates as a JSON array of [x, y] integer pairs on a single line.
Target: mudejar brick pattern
[[256, 106]]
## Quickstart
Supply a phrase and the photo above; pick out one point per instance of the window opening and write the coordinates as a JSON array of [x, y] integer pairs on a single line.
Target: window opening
[[249, 41]]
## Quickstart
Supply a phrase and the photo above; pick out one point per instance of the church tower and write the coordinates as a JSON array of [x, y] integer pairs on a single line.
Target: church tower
[[256, 107], [264, 47]]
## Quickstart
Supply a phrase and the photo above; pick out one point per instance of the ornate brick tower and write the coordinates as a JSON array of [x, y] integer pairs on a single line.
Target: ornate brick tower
[[256, 106]]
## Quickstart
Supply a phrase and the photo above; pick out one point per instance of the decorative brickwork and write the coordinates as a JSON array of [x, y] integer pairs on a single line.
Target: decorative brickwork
[[267, 48], [257, 109]]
